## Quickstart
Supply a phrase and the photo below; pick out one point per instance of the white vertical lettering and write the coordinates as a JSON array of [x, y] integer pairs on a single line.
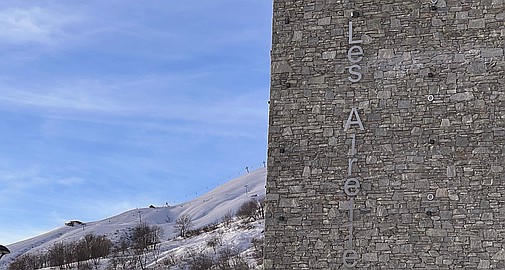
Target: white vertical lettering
[[353, 71], [350, 257], [351, 41], [355, 51], [353, 145], [349, 169], [354, 55], [354, 112]]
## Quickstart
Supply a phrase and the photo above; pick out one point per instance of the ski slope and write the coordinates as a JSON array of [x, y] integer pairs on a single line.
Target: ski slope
[[204, 210]]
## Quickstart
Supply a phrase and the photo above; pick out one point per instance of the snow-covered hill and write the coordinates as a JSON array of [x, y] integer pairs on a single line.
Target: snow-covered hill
[[204, 210]]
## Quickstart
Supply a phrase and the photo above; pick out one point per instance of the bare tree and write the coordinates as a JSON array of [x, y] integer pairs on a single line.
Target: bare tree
[[81, 254], [215, 241], [122, 251], [239, 263], [101, 247], [261, 208], [28, 261], [56, 255], [183, 224], [69, 254], [249, 210], [65, 255], [227, 218], [92, 247], [146, 237], [258, 245], [225, 255], [201, 262]]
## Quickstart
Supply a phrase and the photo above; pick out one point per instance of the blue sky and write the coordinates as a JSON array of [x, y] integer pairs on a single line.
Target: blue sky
[[111, 105]]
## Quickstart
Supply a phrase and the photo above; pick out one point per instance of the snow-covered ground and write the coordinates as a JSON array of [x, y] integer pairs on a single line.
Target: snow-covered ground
[[204, 210]]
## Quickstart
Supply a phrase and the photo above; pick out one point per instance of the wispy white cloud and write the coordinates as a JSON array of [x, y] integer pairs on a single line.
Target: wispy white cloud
[[33, 24], [66, 99], [70, 181], [145, 98], [16, 181]]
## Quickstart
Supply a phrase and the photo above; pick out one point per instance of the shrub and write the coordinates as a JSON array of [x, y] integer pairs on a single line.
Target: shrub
[[27, 261], [239, 263], [215, 241], [248, 210], [227, 218], [258, 244], [201, 262]]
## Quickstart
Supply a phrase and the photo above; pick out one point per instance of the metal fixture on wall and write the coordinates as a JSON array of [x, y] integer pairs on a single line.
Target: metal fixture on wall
[[434, 4]]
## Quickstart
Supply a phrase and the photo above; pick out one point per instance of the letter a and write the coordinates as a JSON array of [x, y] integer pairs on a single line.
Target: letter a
[[350, 122]]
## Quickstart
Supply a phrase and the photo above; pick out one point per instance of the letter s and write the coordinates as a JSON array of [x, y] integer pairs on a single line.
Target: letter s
[[354, 70]]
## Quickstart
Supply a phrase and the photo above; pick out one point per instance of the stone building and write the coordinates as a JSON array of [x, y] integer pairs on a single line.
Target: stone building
[[386, 135]]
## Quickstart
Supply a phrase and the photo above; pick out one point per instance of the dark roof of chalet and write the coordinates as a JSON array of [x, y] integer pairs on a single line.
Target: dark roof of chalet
[[4, 250]]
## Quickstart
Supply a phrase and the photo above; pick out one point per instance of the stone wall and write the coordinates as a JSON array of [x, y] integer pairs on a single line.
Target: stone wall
[[386, 148]]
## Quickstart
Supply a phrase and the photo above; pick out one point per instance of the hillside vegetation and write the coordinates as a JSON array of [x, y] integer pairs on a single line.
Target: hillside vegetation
[[222, 229]]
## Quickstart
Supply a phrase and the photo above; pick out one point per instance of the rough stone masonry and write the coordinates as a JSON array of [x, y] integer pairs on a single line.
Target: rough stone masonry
[[386, 135]]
